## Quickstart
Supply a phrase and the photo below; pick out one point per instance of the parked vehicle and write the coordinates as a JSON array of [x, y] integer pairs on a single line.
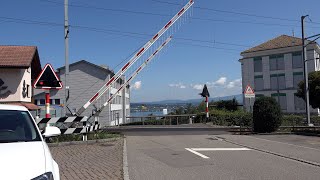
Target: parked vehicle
[[24, 154]]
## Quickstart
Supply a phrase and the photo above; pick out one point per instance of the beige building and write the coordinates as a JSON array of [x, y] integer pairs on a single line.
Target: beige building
[[19, 66], [275, 68]]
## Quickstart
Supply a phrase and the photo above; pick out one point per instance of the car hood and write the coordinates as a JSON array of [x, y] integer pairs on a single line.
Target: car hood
[[22, 160]]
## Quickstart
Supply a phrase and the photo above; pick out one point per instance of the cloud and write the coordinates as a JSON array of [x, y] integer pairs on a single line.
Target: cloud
[[234, 83], [137, 85], [179, 85], [197, 86], [221, 81]]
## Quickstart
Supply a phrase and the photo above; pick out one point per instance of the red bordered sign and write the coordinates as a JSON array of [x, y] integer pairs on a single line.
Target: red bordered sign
[[249, 92], [47, 79]]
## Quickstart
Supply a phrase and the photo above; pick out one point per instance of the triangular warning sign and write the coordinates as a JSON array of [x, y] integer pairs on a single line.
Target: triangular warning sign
[[249, 90], [47, 79], [205, 92]]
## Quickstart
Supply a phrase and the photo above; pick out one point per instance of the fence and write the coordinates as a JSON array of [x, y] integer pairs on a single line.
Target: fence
[[160, 119]]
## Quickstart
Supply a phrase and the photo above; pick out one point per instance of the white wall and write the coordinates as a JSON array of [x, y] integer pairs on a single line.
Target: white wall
[[13, 79]]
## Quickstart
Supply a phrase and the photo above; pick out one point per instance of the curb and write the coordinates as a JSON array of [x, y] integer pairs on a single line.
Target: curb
[[82, 142], [125, 161], [272, 153]]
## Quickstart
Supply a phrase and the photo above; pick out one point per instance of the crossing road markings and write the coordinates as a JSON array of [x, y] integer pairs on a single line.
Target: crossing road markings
[[199, 154], [194, 150]]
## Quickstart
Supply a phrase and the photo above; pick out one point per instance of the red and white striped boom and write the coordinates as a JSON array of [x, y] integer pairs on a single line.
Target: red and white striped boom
[[134, 74], [134, 58]]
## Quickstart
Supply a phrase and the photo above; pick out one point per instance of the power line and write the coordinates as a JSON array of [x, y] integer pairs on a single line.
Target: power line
[[108, 31], [233, 12], [166, 15], [212, 47], [107, 9]]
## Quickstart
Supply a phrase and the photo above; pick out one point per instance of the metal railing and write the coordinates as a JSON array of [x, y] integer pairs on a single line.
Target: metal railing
[[160, 119]]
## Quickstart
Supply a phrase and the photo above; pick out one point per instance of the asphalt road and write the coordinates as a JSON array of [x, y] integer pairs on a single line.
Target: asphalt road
[[159, 153]]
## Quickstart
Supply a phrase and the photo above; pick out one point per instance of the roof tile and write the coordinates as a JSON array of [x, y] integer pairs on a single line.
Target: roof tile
[[282, 41], [16, 56]]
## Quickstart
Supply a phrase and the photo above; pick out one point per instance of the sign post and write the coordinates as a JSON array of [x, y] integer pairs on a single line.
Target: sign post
[[47, 80], [249, 93], [205, 93]]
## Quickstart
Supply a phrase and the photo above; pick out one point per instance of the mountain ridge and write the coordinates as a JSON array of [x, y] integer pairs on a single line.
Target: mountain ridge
[[193, 101]]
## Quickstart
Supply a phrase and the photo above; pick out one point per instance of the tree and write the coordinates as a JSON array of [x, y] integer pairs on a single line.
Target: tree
[[267, 115], [314, 89], [229, 105], [178, 110], [190, 109]]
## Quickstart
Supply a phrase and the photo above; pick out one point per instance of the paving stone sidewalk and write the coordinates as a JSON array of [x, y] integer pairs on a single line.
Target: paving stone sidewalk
[[90, 161]]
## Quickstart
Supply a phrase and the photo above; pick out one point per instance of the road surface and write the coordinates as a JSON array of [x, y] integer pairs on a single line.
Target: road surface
[[204, 153]]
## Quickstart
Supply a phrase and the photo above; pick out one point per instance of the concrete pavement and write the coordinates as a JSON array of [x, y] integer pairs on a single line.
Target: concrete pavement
[[163, 156]]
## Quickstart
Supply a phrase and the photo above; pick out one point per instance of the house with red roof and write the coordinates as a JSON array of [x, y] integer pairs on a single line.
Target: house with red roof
[[19, 67]]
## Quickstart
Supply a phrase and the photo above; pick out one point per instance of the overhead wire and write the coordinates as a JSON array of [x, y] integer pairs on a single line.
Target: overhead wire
[[108, 31], [195, 18], [233, 12]]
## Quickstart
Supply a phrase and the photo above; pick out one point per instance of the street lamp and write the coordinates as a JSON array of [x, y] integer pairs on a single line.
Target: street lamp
[[304, 54]]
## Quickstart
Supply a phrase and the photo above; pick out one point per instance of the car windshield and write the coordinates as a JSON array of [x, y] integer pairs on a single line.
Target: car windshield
[[17, 126]]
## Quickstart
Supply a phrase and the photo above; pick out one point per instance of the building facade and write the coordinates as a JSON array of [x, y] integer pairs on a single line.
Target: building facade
[[19, 67], [275, 68], [84, 80]]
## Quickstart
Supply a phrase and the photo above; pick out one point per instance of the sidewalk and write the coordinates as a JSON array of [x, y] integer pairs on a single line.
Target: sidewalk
[[90, 161]]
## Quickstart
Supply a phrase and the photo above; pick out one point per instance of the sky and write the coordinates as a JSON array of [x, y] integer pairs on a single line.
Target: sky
[[205, 48]]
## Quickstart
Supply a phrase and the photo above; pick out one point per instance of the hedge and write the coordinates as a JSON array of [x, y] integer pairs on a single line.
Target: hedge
[[227, 118]]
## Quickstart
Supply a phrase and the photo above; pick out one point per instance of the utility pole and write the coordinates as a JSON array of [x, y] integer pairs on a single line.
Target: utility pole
[[66, 41], [304, 58]]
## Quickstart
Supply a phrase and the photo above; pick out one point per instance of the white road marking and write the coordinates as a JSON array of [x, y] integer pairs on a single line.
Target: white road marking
[[220, 149], [199, 154]]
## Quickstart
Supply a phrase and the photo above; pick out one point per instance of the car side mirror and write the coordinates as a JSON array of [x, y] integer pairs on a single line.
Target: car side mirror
[[51, 131]]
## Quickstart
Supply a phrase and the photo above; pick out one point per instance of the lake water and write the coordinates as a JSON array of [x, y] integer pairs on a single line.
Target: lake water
[[147, 113]]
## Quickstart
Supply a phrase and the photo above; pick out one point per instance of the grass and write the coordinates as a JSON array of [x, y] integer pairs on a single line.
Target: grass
[[78, 137]]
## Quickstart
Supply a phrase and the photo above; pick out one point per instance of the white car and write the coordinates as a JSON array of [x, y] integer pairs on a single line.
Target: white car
[[24, 154]]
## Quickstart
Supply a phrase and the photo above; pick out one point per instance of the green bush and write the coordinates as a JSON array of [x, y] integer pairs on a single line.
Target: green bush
[[292, 120], [229, 105], [78, 137], [227, 118], [234, 118], [267, 115], [315, 120]]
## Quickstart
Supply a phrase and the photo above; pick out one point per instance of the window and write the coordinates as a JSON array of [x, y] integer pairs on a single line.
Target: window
[[258, 83], [259, 95], [16, 126], [257, 64], [28, 87], [299, 103], [282, 97], [57, 101], [42, 102], [36, 102], [297, 78], [51, 101], [276, 62], [278, 81], [297, 60]]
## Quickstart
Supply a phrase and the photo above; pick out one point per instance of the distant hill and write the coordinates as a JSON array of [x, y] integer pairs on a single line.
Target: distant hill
[[194, 101]]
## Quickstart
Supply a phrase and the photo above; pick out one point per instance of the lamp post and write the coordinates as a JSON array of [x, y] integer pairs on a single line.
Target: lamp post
[[305, 70], [305, 61]]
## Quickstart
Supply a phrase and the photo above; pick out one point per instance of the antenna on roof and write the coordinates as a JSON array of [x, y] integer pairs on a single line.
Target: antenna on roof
[[293, 39], [293, 32]]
